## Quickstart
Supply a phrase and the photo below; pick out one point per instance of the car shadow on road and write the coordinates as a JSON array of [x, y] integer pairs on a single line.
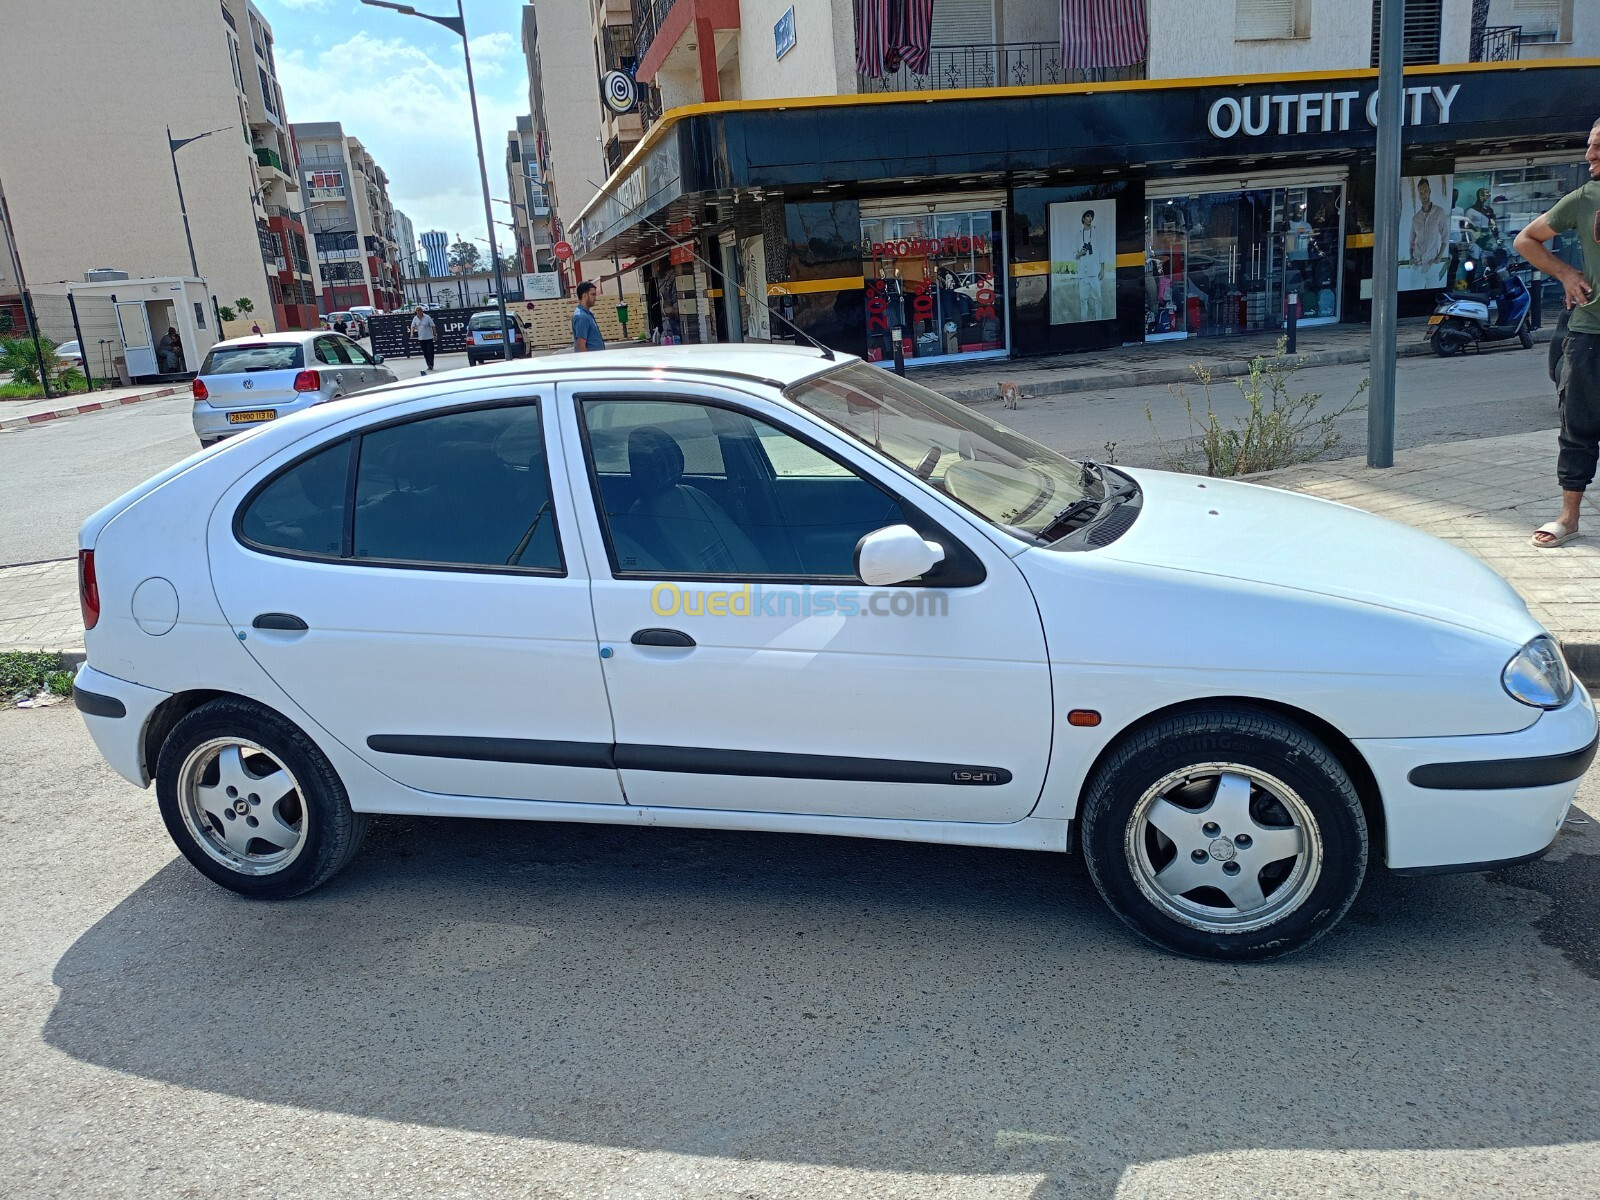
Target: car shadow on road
[[823, 1001]]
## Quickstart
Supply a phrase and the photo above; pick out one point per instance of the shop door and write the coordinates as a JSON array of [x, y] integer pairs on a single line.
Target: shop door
[[136, 342], [732, 302]]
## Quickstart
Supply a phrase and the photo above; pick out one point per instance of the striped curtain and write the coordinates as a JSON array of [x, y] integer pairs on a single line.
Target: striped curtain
[[1102, 33], [892, 32]]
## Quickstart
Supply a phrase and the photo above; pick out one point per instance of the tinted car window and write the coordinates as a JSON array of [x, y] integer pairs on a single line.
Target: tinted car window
[[302, 510], [330, 352], [468, 488], [235, 360], [356, 354]]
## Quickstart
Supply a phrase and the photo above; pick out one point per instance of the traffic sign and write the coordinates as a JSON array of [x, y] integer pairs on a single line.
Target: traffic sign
[[563, 250]]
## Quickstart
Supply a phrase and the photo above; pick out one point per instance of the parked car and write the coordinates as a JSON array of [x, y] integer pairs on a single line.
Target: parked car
[[246, 381], [354, 326], [759, 588], [483, 338], [71, 354]]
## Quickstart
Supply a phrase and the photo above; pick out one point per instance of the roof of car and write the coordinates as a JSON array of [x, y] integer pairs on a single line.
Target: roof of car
[[294, 337], [782, 365]]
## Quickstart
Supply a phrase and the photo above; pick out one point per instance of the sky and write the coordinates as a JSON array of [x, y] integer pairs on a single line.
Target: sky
[[397, 83]]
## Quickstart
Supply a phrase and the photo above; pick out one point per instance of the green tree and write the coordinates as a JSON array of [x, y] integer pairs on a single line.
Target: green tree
[[245, 305], [465, 258]]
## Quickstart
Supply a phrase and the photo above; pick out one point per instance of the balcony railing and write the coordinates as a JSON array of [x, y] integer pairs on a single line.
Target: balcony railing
[[617, 51], [1497, 43], [268, 157], [1015, 64], [278, 210], [613, 155], [648, 16]]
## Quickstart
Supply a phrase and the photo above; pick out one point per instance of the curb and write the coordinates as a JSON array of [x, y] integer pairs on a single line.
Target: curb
[[87, 407], [1218, 368]]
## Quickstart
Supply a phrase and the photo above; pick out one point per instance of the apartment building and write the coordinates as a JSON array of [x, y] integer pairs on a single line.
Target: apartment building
[[350, 218], [529, 203], [1020, 177], [90, 174], [405, 236]]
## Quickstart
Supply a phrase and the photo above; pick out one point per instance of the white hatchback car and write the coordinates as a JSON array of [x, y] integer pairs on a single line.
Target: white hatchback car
[[245, 381], [760, 588]]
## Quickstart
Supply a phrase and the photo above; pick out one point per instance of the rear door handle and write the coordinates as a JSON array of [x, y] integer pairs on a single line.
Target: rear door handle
[[285, 621], [663, 637]]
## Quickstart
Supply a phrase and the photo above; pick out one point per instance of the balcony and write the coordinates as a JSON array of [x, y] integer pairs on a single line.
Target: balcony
[[1014, 64], [278, 210], [1496, 43], [617, 49], [614, 154]]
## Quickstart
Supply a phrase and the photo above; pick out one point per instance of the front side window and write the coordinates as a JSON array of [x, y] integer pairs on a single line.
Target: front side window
[[330, 352], [355, 353], [1005, 478], [465, 489], [696, 490]]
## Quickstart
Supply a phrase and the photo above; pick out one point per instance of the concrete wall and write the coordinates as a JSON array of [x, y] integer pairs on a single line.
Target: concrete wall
[[88, 88], [1190, 38], [822, 62]]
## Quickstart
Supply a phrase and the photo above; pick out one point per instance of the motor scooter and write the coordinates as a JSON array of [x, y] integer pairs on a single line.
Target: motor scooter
[[1500, 312]]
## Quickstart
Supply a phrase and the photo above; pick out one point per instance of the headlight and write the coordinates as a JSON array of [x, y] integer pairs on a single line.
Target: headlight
[[1538, 675]]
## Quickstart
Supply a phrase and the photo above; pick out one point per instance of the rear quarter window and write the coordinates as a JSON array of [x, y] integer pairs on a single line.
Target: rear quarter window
[[302, 510], [235, 360]]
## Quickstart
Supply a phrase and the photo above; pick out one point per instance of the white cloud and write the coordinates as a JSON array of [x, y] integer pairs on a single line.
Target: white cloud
[[408, 106]]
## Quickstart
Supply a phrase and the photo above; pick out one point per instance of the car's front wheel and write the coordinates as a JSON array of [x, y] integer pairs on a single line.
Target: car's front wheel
[[1229, 834], [253, 803]]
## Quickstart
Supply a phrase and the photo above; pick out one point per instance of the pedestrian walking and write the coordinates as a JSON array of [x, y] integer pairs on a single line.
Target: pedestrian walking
[[339, 325], [422, 329], [1579, 384], [585, 329]]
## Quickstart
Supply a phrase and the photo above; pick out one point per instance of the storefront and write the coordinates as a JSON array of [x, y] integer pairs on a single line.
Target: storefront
[[1021, 221]]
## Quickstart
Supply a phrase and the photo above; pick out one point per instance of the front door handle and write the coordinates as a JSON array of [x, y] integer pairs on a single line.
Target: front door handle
[[284, 621], [663, 637]]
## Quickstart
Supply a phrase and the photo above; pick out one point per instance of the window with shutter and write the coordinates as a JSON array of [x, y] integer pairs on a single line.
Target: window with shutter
[[963, 23], [1538, 18], [1422, 23], [1259, 20]]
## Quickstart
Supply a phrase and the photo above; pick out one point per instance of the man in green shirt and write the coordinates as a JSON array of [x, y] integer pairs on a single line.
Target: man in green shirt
[[1579, 387]]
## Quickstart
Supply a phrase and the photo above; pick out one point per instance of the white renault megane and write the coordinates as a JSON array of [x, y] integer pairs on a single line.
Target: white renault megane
[[766, 588]]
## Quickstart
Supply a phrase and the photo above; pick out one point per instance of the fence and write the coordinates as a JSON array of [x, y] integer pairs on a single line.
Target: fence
[[391, 332], [95, 327]]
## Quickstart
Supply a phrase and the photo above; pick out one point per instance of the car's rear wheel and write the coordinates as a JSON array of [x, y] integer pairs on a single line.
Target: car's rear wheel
[[1227, 834], [253, 803]]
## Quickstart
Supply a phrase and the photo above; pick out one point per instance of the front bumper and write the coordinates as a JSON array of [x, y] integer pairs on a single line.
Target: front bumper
[[116, 713], [1472, 803]]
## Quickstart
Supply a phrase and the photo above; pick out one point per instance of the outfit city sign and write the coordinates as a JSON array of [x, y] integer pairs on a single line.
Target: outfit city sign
[[1321, 112]]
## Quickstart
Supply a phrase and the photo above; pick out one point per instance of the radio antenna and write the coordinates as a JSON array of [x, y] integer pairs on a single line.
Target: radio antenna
[[766, 304]]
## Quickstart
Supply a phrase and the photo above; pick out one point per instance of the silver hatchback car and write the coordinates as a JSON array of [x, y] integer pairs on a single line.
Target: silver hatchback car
[[245, 381]]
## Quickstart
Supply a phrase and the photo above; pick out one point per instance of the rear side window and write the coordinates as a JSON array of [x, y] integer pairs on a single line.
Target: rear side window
[[464, 489], [235, 360], [302, 510]]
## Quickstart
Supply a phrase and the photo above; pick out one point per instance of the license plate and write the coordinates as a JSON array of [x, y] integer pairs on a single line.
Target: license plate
[[244, 418], [1437, 319], [491, 337]]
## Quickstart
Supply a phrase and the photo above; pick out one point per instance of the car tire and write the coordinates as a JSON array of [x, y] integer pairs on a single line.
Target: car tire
[[252, 802], [1181, 823]]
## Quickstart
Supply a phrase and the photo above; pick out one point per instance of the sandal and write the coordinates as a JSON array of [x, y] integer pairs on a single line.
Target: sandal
[[1558, 534]]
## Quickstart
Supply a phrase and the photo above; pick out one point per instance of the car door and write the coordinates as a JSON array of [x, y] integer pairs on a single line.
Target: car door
[[414, 588], [368, 373], [748, 668], [332, 360]]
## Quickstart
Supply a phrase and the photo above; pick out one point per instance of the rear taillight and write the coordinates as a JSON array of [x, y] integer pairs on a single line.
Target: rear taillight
[[88, 589], [308, 381], [199, 390]]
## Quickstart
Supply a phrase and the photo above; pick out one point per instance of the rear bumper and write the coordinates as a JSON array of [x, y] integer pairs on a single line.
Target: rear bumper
[[212, 422], [1476, 803], [116, 713]]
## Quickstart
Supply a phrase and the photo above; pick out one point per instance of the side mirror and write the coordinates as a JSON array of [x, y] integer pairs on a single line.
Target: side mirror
[[895, 554], [377, 358]]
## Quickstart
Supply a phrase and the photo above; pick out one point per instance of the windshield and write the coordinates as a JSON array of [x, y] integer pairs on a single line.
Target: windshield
[[997, 473], [233, 360]]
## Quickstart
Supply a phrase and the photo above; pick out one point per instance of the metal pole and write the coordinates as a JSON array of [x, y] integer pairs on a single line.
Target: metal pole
[[83, 347], [483, 173], [1386, 237], [194, 263], [38, 350]]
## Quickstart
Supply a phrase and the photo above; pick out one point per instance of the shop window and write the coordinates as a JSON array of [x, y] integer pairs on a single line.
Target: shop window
[[1490, 207], [938, 278], [1264, 20]]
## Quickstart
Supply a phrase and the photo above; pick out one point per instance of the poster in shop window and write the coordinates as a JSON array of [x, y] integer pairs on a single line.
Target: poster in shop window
[[1083, 261], [1424, 231]]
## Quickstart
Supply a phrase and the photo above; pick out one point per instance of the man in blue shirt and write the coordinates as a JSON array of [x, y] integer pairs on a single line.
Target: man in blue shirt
[[585, 329]]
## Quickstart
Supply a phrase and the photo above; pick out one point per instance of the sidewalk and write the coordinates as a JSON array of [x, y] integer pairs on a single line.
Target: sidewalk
[[17, 413], [1163, 362], [1486, 496]]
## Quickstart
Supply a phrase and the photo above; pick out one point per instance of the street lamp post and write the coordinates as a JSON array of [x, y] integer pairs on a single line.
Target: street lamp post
[[173, 146], [458, 25]]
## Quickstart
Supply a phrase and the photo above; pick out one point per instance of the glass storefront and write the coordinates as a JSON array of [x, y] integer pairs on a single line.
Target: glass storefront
[[940, 278], [1490, 206], [1223, 262]]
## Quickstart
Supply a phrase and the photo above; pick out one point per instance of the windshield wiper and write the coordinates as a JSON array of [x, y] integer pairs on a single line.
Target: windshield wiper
[[1109, 498]]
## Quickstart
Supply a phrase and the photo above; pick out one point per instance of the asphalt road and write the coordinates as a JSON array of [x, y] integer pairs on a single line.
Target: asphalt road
[[55, 474], [503, 1009]]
